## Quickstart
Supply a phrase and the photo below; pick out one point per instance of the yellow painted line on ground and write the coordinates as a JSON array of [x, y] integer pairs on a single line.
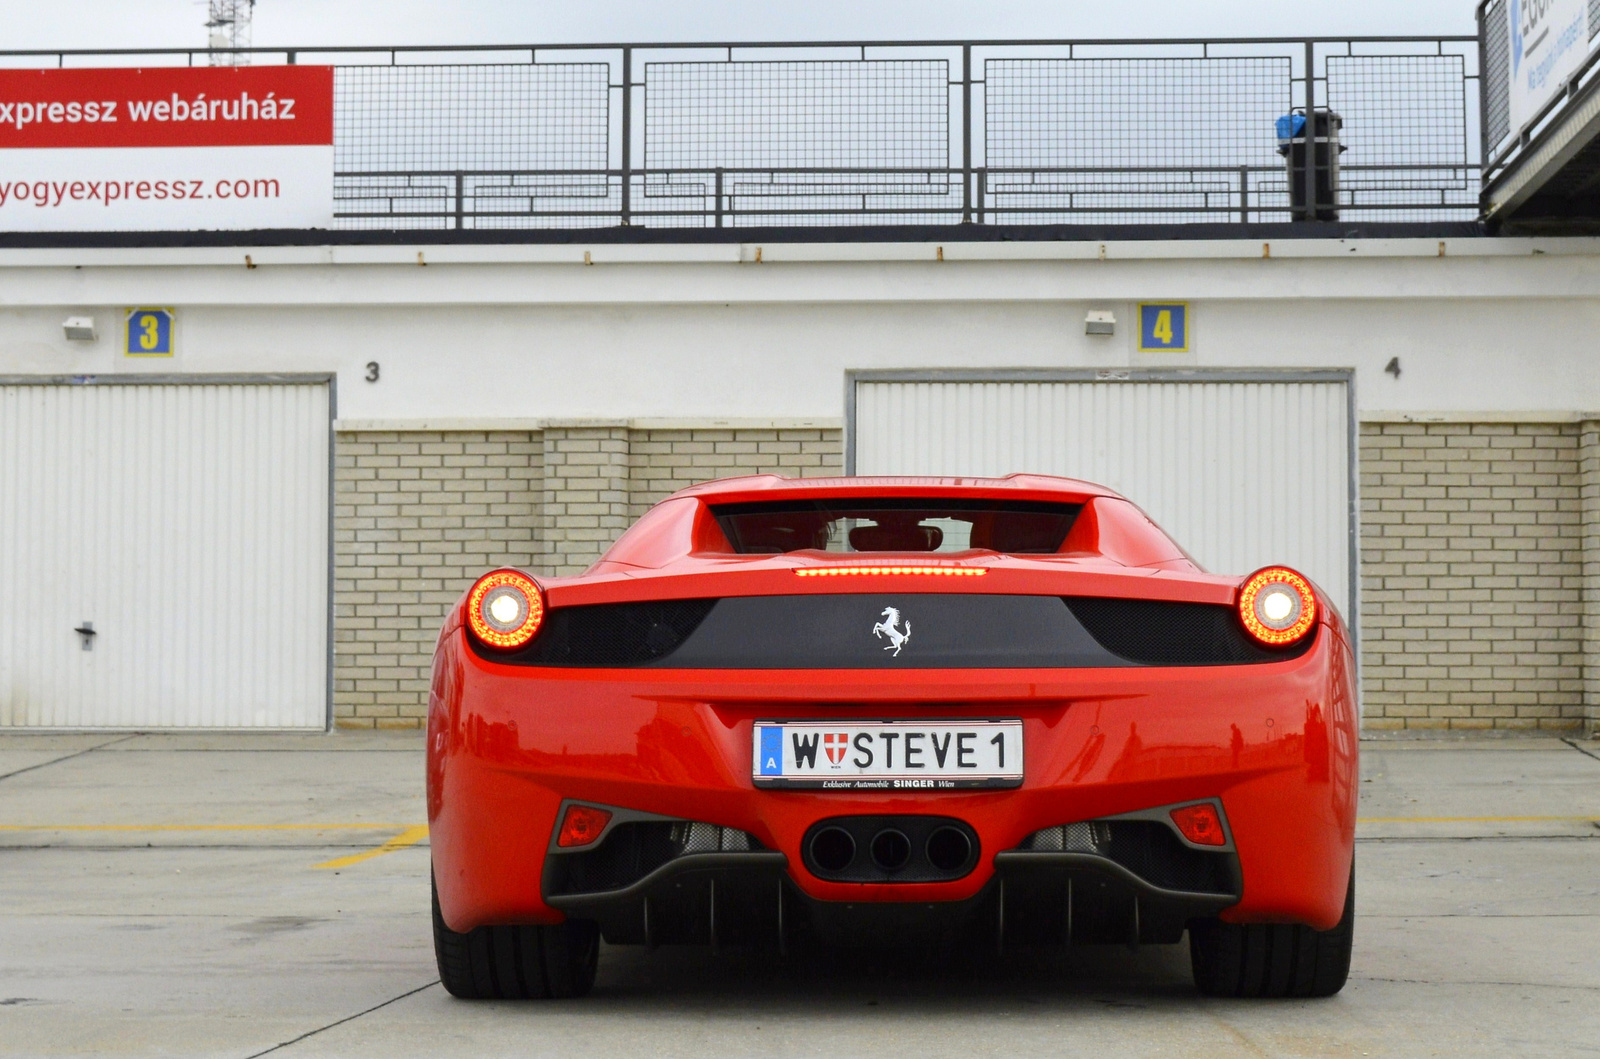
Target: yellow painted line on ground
[[1476, 819], [409, 837], [410, 834], [210, 827]]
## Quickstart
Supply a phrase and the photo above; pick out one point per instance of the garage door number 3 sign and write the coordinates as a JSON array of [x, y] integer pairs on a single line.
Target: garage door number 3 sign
[[148, 332]]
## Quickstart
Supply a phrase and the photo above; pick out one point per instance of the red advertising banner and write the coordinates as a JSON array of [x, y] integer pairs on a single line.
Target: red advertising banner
[[174, 148], [203, 106]]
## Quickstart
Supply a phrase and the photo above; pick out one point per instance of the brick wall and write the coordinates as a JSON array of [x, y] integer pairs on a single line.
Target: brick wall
[[1589, 488], [1472, 575], [418, 515], [585, 494], [664, 460]]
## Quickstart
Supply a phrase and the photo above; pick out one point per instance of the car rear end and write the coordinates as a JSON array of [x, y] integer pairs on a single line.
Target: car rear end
[[1041, 741]]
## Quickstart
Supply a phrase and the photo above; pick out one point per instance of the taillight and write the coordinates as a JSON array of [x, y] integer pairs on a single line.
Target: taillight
[[505, 609], [582, 825], [1277, 606], [1200, 824]]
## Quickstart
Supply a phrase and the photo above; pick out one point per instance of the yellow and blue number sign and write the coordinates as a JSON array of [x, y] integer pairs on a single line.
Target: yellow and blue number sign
[[149, 333], [1163, 327]]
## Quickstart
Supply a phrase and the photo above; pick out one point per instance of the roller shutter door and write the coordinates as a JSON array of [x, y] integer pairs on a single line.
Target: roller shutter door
[[188, 521], [1241, 471]]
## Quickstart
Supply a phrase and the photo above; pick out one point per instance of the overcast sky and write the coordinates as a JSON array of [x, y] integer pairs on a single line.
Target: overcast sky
[[169, 23]]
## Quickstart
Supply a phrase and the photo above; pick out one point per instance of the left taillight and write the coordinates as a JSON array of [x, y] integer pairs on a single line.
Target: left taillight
[[1277, 606], [505, 609]]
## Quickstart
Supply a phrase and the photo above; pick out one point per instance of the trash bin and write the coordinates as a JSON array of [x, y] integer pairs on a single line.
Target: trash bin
[[1323, 140]]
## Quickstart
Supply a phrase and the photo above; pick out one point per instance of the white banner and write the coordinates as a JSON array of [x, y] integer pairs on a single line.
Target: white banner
[[1549, 39], [102, 189]]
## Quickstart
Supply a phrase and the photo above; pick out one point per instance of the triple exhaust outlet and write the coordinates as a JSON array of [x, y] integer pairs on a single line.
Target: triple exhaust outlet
[[890, 849]]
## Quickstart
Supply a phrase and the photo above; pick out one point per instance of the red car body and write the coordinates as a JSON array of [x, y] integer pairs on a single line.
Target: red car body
[[1273, 744]]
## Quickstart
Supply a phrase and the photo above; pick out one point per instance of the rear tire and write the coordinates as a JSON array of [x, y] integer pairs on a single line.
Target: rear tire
[[517, 962], [1273, 960]]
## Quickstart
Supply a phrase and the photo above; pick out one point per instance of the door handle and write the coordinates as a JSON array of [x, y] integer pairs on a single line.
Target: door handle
[[86, 630]]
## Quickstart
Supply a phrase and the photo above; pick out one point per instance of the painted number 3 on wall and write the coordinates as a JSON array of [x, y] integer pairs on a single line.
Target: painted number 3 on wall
[[149, 333]]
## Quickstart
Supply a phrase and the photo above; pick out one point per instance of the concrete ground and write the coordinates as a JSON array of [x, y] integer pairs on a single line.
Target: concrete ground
[[245, 895]]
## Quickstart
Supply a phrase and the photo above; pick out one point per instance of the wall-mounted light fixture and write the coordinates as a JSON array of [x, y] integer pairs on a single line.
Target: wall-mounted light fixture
[[79, 329], [1100, 322]]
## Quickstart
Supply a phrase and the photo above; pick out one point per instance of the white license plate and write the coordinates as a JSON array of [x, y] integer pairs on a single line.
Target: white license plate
[[887, 755]]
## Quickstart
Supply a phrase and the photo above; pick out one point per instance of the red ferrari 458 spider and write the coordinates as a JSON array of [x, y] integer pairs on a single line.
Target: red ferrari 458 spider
[[1005, 708]]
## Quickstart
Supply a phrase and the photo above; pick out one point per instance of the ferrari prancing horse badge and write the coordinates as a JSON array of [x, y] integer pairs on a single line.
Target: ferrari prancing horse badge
[[890, 627]]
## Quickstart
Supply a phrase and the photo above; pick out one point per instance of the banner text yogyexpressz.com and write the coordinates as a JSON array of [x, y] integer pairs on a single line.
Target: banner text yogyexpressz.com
[[52, 193]]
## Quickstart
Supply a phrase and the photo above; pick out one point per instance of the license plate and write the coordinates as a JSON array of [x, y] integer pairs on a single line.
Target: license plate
[[887, 755]]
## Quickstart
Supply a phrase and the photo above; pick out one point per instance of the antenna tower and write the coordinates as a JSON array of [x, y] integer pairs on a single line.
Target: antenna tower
[[229, 23]]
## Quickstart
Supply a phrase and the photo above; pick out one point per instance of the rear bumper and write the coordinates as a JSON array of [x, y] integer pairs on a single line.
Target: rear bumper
[[1274, 743]]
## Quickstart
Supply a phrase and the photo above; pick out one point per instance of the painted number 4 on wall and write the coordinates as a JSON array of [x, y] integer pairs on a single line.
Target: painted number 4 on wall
[[1163, 327], [149, 333]]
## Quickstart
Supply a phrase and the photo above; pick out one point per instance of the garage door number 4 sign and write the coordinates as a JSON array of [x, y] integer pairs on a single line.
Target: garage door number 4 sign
[[149, 333], [1163, 327]]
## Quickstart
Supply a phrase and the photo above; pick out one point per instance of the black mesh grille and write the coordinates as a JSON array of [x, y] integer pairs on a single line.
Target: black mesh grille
[[1152, 852], [1147, 848], [1143, 632], [962, 630], [627, 855], [633, 850], [1161, 633], [613, 634]]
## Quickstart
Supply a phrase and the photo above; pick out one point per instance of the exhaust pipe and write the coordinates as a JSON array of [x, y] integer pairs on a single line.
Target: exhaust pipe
[[891, 849], [832, 849], [948, 849]]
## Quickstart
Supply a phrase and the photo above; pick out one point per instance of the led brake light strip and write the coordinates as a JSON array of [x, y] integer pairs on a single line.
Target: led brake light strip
[[868, 570]]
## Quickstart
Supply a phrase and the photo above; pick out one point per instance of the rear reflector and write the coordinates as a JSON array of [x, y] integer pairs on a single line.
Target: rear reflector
[[1200, 824], [914, 571], [582, 825]]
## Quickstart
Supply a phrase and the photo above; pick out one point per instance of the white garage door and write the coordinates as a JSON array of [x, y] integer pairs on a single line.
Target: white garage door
[[1242, 470], [189, 523]]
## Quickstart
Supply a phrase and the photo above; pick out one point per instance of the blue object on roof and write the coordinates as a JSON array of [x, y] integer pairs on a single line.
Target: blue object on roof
[[1291, 125]]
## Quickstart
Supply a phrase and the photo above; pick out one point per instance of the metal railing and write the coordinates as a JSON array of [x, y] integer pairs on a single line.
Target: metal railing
[[766, 134]]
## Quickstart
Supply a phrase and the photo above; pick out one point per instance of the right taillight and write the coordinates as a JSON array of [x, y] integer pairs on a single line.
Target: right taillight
[[1277, 606]]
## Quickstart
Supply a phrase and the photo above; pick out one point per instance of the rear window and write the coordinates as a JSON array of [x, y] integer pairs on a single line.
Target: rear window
[[897, 524]]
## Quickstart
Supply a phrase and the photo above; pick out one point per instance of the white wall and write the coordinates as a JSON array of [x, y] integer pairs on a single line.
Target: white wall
[[1493, 326]]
